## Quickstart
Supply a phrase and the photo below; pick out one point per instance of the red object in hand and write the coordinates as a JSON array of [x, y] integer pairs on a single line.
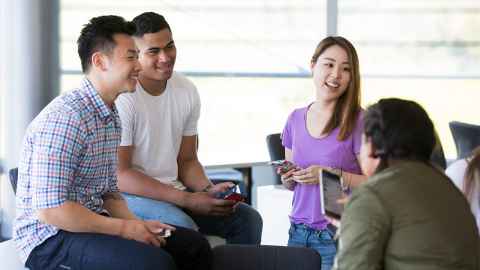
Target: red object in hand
[[235, 197]]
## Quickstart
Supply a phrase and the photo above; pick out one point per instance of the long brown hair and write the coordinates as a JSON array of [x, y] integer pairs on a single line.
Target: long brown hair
[[472, 174], [347, 108]]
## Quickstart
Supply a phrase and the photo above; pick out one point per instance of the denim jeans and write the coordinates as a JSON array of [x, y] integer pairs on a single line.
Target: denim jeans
[[244, 226], [185, 249], [322, 241]]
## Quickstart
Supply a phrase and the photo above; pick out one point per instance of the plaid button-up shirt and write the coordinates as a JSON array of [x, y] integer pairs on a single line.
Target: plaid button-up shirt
[[69, 154]]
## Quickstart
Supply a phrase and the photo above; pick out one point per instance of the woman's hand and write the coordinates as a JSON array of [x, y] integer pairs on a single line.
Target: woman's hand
[[287, 179], [309, 175]]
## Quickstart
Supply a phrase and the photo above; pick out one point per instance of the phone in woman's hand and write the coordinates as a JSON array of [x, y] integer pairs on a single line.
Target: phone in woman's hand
[[283, 166]]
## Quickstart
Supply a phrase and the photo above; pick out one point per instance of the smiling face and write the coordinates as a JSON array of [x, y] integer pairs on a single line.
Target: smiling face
[[122, 64], [331, 73], [157, 55]]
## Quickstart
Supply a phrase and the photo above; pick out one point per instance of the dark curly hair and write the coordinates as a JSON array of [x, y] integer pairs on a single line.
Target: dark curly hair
[[399, 129], [97, 35], [149, 22]]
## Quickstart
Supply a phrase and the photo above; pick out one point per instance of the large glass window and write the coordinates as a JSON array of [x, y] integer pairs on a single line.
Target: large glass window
[[249, 60], [422, 50]]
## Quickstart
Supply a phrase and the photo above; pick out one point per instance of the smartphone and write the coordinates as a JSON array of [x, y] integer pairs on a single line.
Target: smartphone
[[232, 194], [235, 197], [284, 165], [164, 233]]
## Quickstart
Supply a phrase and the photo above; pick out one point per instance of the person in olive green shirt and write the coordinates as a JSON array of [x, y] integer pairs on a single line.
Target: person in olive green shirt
[[408, 215]]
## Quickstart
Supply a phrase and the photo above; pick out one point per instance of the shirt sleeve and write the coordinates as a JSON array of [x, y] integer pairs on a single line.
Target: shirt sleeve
[[57, 146], [126, 112], [364, 232], [191, 124], [287, 140], [357, 134], [113, 184]]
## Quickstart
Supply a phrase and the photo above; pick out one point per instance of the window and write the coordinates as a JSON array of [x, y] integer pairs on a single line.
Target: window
[[249, 60], [427, 51]]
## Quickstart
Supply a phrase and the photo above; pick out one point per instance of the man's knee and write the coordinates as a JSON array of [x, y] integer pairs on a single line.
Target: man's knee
[[156, 260], [249, 215], [190, 249]]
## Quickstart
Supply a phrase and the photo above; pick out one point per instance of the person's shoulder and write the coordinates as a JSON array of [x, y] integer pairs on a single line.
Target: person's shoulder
[[68, 109], [383, 180], [127, 99], [367, 196], [180, 81], [70, 104], [298, 112]]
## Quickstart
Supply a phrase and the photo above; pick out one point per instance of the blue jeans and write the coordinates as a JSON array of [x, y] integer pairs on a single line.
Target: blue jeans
[[185, 249], [244, 226], [322, 241]]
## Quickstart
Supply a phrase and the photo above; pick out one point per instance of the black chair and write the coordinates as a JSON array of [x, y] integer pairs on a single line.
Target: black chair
[[275, 150], [249, 257], [466, 137], [13, 174]]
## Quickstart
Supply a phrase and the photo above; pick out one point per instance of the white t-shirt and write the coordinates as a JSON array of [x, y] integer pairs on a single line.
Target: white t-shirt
[[456, 172], [155, 125]]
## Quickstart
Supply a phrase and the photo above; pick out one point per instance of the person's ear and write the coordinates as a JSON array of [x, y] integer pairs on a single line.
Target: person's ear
[[99, 61], [312, 66]]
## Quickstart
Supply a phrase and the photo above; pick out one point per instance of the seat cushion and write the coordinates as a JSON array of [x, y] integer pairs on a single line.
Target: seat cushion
[[9, 256]]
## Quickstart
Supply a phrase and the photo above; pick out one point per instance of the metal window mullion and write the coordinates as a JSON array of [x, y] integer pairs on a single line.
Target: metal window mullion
[[332, 17]]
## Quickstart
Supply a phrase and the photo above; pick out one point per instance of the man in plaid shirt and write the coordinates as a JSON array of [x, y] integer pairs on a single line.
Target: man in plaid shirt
[[69, 212]]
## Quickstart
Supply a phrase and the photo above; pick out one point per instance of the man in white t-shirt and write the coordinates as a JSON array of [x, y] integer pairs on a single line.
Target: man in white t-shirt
[[158, 171]]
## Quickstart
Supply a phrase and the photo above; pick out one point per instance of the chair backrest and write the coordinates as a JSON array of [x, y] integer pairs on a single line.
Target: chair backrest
[[275, 150], [13, 174], [249, 257], [275, 147], [466, 137]]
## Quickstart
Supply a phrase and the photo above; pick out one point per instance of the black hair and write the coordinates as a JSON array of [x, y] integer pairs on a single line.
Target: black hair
[[97, 35], [399, 129], [149, 22]]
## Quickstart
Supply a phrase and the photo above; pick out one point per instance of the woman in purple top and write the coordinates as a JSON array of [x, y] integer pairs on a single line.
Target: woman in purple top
[[325, 135]]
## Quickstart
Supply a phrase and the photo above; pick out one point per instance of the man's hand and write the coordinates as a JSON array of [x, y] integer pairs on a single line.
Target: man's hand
[[144, 231], [204, 204], [219, 188]]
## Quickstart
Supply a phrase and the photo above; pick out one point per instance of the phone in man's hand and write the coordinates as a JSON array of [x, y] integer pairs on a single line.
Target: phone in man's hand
[[231, 194], [164, 233]]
